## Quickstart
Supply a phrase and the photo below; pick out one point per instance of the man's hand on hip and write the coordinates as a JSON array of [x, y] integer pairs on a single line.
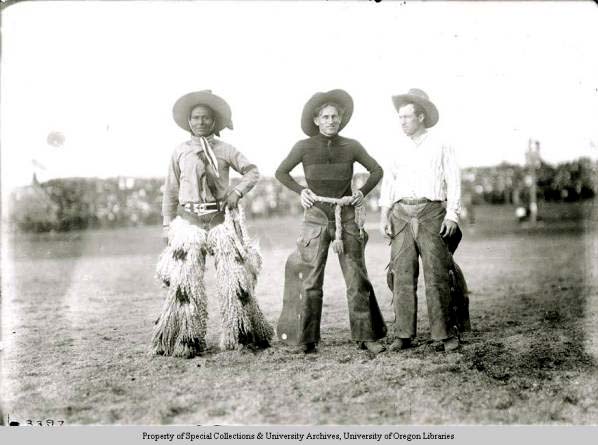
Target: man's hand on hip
[[448, 228], [232, 200], [307, 198], [385, 229], [357, 198]]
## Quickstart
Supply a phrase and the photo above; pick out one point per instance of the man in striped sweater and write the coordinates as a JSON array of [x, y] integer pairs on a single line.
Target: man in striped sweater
[[327, 160]]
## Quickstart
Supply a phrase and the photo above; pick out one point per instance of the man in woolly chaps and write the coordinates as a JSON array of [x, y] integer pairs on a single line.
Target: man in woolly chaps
[[328, 160], [201, 216]]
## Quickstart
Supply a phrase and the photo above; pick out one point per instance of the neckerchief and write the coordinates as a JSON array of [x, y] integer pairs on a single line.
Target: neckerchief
[[210, 163], [209, 153]]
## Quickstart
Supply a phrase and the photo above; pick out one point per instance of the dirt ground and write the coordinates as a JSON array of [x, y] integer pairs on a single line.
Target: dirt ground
[[78, 310]]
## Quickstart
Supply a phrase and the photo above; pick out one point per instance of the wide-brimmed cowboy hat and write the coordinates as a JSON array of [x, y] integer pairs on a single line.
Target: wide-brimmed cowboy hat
[[339, 97], [415, 95], [183, 106]]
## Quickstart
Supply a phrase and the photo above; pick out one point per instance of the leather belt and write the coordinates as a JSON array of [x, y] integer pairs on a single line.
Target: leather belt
[[203, 208], [413, 202]]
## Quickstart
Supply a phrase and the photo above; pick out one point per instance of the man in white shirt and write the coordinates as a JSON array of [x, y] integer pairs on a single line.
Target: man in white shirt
[[420, 205]]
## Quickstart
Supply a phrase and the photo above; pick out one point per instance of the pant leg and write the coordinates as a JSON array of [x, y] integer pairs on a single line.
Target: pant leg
[[233, 287], [181, 328], [365, 318], [312, 246], [404, 264], [436, 262]]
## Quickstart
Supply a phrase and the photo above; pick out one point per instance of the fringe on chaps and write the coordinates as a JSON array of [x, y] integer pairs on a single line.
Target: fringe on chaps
[[182, 326]]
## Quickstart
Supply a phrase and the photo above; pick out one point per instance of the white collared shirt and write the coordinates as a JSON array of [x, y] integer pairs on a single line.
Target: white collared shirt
[[423, 169]]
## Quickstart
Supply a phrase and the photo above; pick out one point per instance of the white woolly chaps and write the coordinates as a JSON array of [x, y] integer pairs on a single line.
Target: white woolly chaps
[[182, 326]]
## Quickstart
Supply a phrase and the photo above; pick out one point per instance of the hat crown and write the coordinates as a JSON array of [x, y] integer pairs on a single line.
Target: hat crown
[[419, 93], [337, 96], [185, 104], [415, 95]]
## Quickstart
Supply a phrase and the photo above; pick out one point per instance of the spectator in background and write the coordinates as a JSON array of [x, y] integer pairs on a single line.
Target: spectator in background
[[468, 204]]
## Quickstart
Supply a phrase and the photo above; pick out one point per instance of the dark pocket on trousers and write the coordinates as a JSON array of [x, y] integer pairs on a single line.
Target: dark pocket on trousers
[[354, 239], [309, 242]]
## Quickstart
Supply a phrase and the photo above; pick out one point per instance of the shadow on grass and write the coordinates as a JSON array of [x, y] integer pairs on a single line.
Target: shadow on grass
[[537, 356], [529, 334]]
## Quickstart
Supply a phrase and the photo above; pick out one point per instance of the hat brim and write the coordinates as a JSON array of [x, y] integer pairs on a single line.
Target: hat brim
[[431, 110], [340, 97], [184, 105]]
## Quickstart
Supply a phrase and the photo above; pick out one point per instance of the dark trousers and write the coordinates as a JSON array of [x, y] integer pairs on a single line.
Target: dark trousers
[[415, 233], [317, 232]]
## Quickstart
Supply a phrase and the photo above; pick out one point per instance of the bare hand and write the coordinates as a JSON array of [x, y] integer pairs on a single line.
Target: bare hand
[[385, 229], [357, 198], [448, 228], [307, 198], [232, 200]]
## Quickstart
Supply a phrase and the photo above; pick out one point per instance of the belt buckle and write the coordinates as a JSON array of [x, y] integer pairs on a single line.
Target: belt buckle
[[205, 208]]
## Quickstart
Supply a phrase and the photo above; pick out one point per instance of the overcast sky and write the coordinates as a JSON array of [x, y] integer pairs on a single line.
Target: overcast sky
[[107, 74]]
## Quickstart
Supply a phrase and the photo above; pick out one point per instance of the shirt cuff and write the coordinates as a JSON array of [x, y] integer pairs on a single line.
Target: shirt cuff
[[452, 216]]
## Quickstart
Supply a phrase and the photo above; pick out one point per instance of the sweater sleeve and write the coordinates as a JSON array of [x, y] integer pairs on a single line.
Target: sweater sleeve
[[288, 164], [376, 172]]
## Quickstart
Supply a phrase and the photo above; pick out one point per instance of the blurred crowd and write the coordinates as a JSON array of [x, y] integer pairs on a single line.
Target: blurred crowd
[[510, 184], [81, 203]]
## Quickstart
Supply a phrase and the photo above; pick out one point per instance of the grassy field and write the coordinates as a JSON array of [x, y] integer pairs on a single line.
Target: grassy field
[[78, 310]]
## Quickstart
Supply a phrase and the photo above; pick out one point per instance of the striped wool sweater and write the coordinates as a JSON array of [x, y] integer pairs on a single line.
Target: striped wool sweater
[[328, 166]]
